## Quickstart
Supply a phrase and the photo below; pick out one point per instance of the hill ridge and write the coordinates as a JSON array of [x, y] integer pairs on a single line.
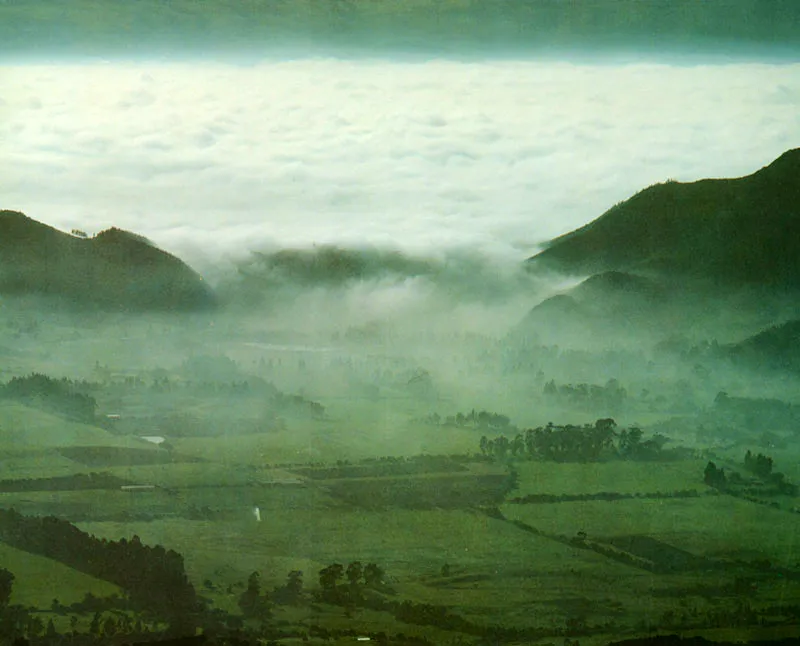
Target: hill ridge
[[729, 230], [114, 269]]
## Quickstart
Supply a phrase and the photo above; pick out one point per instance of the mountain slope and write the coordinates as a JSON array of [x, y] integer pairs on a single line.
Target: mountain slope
[[739, 231], [777, 347], [39, 580], [115, 269]]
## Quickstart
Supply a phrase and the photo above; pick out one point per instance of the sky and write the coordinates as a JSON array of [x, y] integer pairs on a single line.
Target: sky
[[212, 158]]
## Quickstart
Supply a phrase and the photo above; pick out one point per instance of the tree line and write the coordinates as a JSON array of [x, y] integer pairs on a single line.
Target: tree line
[[570, 443], [765, 483], [153, 577], [61, 396], [74, 482]]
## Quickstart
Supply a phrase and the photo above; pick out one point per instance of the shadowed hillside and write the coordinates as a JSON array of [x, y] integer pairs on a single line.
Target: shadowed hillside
[[730, 231], [114, 269], [778, 347]]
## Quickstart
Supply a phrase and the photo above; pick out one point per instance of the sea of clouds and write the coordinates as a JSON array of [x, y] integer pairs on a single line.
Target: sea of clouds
[[212, 160]]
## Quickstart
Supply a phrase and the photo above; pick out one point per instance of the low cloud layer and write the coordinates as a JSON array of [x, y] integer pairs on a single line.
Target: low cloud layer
[[211, 160]]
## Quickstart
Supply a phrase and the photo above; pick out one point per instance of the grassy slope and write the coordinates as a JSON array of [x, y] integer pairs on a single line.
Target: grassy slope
[[39, 580], [730, 229], [494, 565], [24, 428], [710, 526], [554, 478]]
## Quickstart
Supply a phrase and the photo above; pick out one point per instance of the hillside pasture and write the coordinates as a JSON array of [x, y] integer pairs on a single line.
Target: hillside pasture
[[25, 428], [618, 476], [710, 526], [39, 580]]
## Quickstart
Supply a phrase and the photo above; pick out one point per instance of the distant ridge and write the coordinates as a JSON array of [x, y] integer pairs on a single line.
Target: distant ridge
[[777, 347], [739, 231], [115, 269]]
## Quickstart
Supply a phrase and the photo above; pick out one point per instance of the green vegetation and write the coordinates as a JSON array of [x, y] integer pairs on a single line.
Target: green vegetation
[[676, 229], [275, 475]]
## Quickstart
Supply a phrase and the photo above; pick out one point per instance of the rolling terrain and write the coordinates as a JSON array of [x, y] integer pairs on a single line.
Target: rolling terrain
[[114, 269], [621, 463]]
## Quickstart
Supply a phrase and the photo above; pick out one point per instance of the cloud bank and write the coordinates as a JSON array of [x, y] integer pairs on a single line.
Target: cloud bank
[[211, 160]]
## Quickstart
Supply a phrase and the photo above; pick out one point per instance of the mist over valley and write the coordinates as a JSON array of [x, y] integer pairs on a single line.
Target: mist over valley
[[335, 322]]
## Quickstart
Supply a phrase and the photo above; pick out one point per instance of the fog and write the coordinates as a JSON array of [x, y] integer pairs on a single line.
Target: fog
[[367, 368], [215, 160], [376, 208]]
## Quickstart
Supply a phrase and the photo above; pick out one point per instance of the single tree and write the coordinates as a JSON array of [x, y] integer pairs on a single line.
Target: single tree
[[6, 586], [354, 572], [329, 576], [251, 603], [373, 575]]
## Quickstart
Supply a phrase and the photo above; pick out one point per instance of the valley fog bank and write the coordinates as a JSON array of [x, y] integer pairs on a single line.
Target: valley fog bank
[[212, 161]]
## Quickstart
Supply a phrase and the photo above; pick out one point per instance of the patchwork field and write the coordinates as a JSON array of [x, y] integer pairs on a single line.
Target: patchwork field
[[713, 526]]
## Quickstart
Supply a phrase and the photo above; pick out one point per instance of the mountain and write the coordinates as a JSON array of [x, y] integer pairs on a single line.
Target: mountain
[[777, 347], [114, 270], [729, 231], [605, 304]]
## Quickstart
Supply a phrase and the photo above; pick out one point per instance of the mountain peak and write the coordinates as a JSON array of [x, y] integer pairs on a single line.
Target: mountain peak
[[743, 230], [115, 269]]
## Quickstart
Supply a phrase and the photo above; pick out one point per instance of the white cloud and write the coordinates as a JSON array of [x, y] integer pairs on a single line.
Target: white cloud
[[500, 155]]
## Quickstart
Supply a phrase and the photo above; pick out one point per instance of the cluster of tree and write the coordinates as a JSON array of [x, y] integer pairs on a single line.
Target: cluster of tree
[[760, 465], [610, 397], [714, 476], [575, 443], [358, 577], [757, 412], [75, 482], [733, 483], [338, 585], [482, 420], [60, 396], [296, 404], [153, 577], [346, 587]]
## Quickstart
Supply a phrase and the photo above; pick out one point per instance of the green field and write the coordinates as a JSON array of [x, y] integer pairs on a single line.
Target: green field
[[39, 580], [367, 481], [717, 526], [627, 477]]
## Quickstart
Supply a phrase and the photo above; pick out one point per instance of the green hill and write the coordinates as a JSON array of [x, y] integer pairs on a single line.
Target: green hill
[[777, 347], [729, 231], [38, 580], [114, 270]]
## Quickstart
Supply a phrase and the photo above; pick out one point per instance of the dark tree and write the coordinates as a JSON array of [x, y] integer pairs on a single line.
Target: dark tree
[[354, 572], [6, 585], [760, 465], [294, 582], [714, 477], [292, 591], [373, 575], [330, 576], [251, 603]]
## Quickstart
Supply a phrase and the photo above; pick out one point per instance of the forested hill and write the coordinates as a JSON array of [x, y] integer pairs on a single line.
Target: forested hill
[[114, 269], [736, 231]]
